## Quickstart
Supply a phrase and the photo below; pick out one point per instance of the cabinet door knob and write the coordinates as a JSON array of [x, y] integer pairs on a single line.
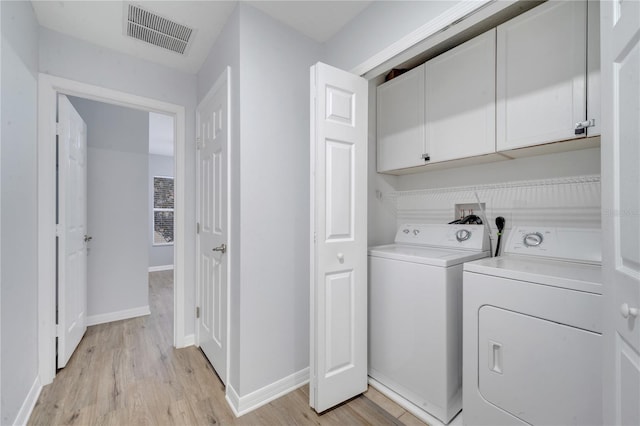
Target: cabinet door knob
[[627, 311]]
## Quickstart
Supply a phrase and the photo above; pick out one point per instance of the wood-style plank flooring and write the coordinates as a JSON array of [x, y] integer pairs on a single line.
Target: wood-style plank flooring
[[128, 373]]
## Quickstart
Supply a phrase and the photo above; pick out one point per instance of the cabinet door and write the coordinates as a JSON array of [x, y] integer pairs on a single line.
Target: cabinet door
[[460, 100], [593, 66], [401, 121], [541, 67]]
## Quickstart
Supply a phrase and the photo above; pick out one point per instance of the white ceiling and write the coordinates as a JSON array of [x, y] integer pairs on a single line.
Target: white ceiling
[[160, 134], [102, 23]]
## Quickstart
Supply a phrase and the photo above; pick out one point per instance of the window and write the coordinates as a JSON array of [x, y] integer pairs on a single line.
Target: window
[[162, 210]]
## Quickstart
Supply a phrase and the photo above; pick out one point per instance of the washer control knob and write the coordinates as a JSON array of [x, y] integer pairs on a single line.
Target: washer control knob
[[533, 239], [627, 312], [405, 230], [463, 235], [416, 231]]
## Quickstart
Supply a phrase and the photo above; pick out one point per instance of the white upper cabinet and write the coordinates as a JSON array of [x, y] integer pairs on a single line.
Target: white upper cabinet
[[400, 121], [541, 75], [460, 100]]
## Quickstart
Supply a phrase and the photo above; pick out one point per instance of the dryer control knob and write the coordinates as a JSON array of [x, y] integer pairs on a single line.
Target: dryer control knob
[[627, 312], [533, 239], [463, 235]]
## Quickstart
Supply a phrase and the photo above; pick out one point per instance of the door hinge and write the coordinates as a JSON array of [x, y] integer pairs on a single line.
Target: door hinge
[[58, 129], [58, 230], [197, 227], [198, 143], [197, 311], [58, 330]]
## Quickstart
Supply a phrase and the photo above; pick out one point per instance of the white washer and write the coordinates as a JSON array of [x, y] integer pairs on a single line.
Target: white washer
[[532, 331], [415, 315]]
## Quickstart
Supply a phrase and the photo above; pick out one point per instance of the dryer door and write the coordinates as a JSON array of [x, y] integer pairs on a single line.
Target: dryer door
[[539, 371]]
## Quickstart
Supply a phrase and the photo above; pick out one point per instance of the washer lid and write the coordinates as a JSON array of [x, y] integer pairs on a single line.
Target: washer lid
[[426, 255], [556, 273]]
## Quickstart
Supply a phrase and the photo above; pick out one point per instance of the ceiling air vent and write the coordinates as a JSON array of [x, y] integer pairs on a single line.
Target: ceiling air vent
[[157, 30]]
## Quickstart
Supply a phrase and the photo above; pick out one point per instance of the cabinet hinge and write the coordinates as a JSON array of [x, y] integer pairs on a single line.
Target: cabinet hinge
[[581, 126], [197, 227], [197, 311]]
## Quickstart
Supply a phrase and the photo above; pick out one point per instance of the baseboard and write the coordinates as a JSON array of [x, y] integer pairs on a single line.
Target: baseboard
[[27, 406], [243, 404], [233, 399], [189, 340], [119, 315], [160, 268]]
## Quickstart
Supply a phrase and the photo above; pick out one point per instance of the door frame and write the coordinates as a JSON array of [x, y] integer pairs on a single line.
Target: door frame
[[223, 78], [48, 88]]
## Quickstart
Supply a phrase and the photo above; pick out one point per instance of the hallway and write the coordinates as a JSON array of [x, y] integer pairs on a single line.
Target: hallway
[[127, 372]]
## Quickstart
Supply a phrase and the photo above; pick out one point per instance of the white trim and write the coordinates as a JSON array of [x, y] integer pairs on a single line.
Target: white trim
[[160, 268], [224, 78], [118, 315], [48, 88], [189, 340], [233, 399], [441, 21], [29, 402], [241, 405]]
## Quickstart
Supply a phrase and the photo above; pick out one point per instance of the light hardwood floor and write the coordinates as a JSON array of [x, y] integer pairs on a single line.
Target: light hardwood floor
[[128, 373]]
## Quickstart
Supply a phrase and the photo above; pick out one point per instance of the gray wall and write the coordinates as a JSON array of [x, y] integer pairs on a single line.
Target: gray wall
[[117, 206], [159, 165], [274, 195], [64, 56], [18, 216]]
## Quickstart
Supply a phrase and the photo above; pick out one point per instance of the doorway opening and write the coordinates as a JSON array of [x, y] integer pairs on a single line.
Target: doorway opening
[[49, 88]]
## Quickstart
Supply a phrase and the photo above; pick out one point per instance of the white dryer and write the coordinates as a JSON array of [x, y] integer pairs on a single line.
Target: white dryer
[[415, 316], [533, 331]]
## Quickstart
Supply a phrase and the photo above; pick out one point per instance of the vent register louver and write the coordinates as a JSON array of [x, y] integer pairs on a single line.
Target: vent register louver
[[157, 30]]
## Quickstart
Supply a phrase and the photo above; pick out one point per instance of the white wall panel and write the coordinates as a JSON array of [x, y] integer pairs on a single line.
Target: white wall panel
[[570, 202]]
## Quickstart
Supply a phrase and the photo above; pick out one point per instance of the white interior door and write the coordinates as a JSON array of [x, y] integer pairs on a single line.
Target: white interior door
[[71, 229], [620, 26], [212, 118], [339, 241]]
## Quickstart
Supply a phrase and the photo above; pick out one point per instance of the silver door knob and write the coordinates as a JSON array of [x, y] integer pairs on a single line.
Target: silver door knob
[[222, 248], [627, 311], [87, 238]]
